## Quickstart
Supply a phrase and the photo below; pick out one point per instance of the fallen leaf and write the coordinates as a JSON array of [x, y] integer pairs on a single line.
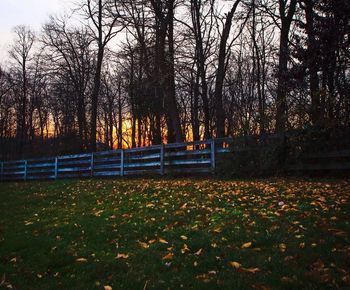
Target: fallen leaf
[[183, 237], [282, 247], [122, 256], [185, 249], [143, 244], [248, 270], [168, 256], [198, 252], [246, 245], [203, 277], [81, 260], [234, 264], [163, 241], [107, 287]]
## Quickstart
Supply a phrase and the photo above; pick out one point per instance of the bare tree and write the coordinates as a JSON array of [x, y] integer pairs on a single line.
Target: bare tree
[[221, 70], [20, 53], [286, 13], [103, 16]]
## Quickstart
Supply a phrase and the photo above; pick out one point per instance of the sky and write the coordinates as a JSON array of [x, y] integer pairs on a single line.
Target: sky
[[32, 13]]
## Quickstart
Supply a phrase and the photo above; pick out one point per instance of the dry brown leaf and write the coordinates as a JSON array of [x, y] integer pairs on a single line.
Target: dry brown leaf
[[122, 256], [185, 249], [168, 256], [163, 241], [204, 277], [234, 264], [248, 270], [198, 252], [246, 245], [282, 247], [143, 244], [81, 260], [107, 287]]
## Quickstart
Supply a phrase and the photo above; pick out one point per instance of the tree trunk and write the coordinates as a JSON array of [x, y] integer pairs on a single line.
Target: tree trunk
[[312, 63], [281, 99], [170, 70], [220, 74], [94, 97]]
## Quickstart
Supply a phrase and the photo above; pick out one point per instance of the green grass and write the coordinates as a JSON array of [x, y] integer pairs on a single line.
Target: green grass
[[175, 234]]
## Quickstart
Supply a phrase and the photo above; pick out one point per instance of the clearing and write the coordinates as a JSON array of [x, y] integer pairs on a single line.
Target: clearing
[[175, 233]]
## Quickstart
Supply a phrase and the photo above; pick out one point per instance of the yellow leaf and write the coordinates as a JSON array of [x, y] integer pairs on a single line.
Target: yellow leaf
[[143, 245], [246, 245], [185, 249], [198, 252], [122, 256], [81, 260], [234, 264], [169, 256], [283, 247], [163, 241], [249, 270], [98, 213]]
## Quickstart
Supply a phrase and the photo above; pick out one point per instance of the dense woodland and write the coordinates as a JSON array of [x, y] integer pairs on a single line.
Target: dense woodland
[[129, 73]]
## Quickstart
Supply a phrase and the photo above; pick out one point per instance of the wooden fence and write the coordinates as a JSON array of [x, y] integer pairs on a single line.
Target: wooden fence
[[329, 161], [187, 157]]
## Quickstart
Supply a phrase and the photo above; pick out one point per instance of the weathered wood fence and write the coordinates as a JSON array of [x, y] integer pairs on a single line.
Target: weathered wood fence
[[187, 157]]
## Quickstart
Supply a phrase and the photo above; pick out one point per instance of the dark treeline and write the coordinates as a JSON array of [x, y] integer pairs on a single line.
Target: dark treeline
[[140, 72]]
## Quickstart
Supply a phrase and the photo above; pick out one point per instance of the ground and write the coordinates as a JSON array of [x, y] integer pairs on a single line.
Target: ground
[[175, 233]]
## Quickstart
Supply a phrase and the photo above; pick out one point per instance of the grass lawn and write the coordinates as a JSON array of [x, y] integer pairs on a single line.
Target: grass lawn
[[175, 233]]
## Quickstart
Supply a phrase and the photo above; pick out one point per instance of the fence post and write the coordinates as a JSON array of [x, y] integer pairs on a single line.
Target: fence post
[[92, 165], [56, 167], [162, 159], [121, 162], [2, 171], [212, 155], [25, 169]]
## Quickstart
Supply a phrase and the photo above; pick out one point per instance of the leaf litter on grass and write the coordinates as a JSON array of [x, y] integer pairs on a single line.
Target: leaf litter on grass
[[261, 234]]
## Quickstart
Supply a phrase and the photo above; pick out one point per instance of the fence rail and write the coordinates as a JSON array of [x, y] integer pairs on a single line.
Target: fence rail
[[193, 157]]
